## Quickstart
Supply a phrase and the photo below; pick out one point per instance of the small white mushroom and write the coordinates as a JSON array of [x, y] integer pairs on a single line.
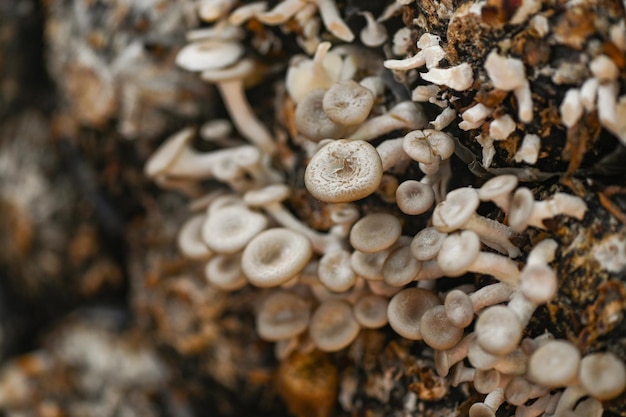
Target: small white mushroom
[[335, 272], [499, 189], [445, 359], [347, 103], [304, 75], [414, 198], [313, 121], [212, 10], [603, 375], [224, 272], [501, 127], [571, 107], [554, 364], [190, 240], [509, 74], [406, 308], [343, 171], [437, 330], [426, 243], [405, 115], [333, 326], [428, 146], [282, 12], [461, 307], [459, 78], [208, 54], [229, 230], [375, 232], [400, 267], [526, 211], [374, 33], [529, 150]]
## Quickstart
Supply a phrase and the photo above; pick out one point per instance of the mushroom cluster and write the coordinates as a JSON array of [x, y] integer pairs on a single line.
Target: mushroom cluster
[[385, 215]]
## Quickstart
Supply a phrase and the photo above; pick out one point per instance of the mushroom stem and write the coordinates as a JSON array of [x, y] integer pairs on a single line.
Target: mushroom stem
[[282, 12], [445, 359], [333, 21], [391, 153], [233, 94], [404, 115]]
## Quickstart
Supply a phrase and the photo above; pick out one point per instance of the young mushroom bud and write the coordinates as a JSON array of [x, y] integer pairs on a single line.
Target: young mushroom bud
[[461, 307], [275, 256], [343, 171], [347, 103], [313, 122]]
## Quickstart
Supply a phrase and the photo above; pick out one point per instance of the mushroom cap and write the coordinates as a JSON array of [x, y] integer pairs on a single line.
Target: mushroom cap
[[521, 208], [458, 251], [265, 196], [456, 209], [517, 390], [208, 54], [347, 103], [481, 410], [554, 364], [370, 311], [400, 267], [369, 265], [190, 240], [486, 380], [304, 74], [224, 272], [406, 308], [414, 198], [498, 330], [603, 375], [375, 232], [274, 256], [500, 185], [335, 272], [167, 153], [459, 309], [538, 283], [313, 122], [283, 315], [344, 171], [333, 326], [427, 243], [241, 69], [228, 230], [437, 331]]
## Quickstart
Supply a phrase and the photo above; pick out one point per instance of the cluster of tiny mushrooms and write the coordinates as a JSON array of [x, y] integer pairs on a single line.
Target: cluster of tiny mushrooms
[[362, 272]]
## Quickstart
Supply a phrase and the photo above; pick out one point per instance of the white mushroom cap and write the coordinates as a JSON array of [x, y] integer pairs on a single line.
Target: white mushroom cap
[[538, 283], [459, 77], [225, 272], [499, 189], [603, 375], [406, 308], [375, 232], [168, 155], [437, 330], [521, 208], [335, 272], [369, 265], [333, 326], [428, 146], [400, 267], [370, 311], [347, 103], [274, 193], [230, 230], [344, 171], [312, 121], [426, 243], [208, 54], [486, 380], [414, 197], [282, 316], [275, 256], [554, 364], [498, 330], [190, 240], [459, 308], [452, 213], [306, 74]]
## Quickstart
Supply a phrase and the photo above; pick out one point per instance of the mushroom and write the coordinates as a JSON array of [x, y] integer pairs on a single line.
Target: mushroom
[[400, 267], [528, 151], [305, 75], [428, 147], [391, 153], [406, 308], [490, 405], [343, 171], [460, 253], [461, 373], [509, 74], [282, 12], [499, 190], [228, 230], [375, 232], [498, 330], [347, 103], [427, 243], [414, 197], [445, 359], [333, 326], [538, 282], [370, 311], [230, 83], [335, 272], [212, 10], [282, 316], [603, 375], [190, 240], [374, 33], [457, 211], [554, 364], [461, 307], [224, 272], [525, 211], [275, 256], [209, 54], [405, 115], [459, 77], [501, 127], [312, 120], [436, 329]]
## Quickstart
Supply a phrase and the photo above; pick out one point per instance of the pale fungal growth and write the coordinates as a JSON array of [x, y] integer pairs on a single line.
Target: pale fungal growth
[[313, 122], [460, 374], [347, 103], [333, 21], [370, 311], [229, 230], [405, 115], [244, 13], [430, 54], [333, 326], [461, 307], [571, 107], [190, 240], [224, 272], [231, 84], [554, 364], [443, 119], [538, 282], [209, 54], [446, 359], [499, 190], [602, 375], [374, 33], [212, 10], [343, 171], [391, 153], [498, 330], [529, 150], [437, 330], [305, 75], [428, 146], [525, 211], [176, 158], [490, 405], [426, 243], [406, 308], [501, 127], [400, 267], [475, 116], [604, 69], [375, 232], [282, 316], [369, 265], [414, 197], [509, 74], [459, 78], [281, 12], [457, 212], [275, 256], [335, 272]]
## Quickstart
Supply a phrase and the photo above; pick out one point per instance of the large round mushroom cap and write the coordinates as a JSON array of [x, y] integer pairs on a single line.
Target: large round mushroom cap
[[603, 375], [228, 230], [275, 256], [498, 330], [344, 171], [347, 103], [283, 315], [375, 232], [554, 364], [333, 326]]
